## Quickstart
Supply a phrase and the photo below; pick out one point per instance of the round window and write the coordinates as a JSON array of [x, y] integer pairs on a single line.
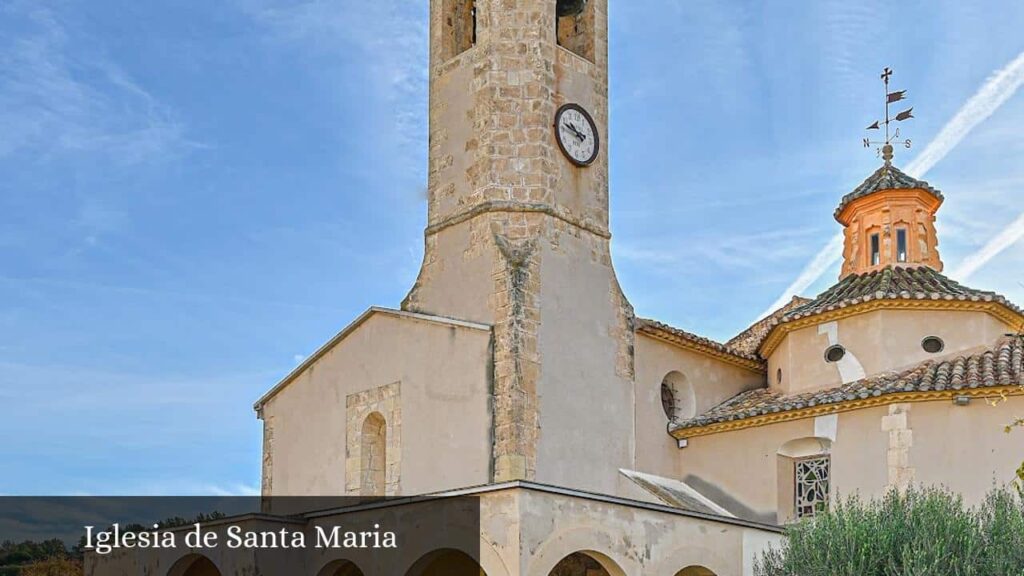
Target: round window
[[835, 353], [933, 344]]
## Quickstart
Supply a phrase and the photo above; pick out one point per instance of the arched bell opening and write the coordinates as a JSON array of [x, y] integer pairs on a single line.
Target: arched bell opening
[[576, 29]]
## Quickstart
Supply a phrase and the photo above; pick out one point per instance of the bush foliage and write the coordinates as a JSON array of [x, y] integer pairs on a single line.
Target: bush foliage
[[53, 567], [922, 532]]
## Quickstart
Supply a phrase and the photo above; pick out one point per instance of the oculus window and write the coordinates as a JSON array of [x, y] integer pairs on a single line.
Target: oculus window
[[835, 354], [933, 345]]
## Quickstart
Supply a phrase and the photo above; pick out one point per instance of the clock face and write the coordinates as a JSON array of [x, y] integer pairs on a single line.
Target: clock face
[[577, 134]]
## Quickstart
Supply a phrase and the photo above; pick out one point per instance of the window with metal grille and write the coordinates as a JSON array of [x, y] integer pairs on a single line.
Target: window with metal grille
[[668, 399], [812, 485]]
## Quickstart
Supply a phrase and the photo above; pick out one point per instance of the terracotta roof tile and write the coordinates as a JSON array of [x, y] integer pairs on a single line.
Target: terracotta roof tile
[[887, 177], [1001, 365], [644, 324], [748, 341], [893, 283]]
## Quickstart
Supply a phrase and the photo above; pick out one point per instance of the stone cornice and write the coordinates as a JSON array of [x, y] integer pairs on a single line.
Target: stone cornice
[[847, 406], [517, 207], [674, 339], [994, 308]]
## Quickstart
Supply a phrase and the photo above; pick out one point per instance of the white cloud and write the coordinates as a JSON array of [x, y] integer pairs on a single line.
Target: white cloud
[[822, 262], [60, 94], [389, 36], [231, 490]]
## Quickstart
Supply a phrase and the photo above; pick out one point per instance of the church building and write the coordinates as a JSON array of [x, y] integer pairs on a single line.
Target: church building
[[600, 443]]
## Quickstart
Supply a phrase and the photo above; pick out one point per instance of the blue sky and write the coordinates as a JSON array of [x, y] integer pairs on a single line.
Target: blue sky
[[194, 196]]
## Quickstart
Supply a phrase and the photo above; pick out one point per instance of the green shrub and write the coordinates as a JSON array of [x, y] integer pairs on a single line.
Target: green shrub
[[922, 532]]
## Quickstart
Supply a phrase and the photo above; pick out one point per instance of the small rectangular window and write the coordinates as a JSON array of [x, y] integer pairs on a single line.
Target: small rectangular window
[[876, 250], [812, 486], [901, 245]]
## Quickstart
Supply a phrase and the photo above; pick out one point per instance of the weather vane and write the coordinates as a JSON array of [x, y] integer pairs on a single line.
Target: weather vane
[[890, 98]]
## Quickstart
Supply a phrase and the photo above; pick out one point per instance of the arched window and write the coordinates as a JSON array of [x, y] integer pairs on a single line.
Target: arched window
[[373, 455], [677, 397], [805, 478]]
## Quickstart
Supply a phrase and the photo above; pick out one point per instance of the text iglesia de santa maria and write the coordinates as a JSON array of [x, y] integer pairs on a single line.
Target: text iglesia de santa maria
[[600, 443]]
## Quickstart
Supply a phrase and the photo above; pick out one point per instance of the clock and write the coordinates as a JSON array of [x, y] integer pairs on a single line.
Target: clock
[[576, 134]]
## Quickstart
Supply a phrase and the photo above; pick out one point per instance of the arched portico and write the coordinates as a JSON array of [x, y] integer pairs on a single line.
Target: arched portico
[[194, 565], [593, 543], [695, 571], [586, 563], [340, 568], [693, 560], [446, 562]]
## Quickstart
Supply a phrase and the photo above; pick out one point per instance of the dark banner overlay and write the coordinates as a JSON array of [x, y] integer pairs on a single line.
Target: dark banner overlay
[[212, 536]]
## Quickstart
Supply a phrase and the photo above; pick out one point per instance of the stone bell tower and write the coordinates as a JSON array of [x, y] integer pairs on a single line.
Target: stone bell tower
[[517, 233]]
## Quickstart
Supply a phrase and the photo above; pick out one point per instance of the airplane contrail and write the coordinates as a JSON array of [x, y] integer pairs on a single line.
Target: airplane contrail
[[997, 89], [821, 263], [1006, 238]]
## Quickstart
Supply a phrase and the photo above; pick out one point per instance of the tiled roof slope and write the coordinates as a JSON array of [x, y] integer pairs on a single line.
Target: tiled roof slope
[[649, 326], [888, 177], [674, 493], [748, 341], [893, 283], [999, 366]]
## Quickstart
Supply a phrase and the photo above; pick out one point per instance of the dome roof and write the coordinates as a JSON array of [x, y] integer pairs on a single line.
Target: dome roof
[[888, 177]]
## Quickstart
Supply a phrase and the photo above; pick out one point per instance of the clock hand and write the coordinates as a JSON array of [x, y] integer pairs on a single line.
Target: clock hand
[[580, 135]]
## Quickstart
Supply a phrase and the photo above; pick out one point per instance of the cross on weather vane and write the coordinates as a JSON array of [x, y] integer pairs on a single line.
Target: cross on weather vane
[[886, 149]]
